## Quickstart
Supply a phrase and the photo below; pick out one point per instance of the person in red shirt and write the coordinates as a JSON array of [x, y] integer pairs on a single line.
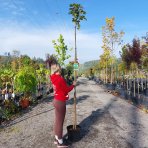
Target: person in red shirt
[[61, 90]]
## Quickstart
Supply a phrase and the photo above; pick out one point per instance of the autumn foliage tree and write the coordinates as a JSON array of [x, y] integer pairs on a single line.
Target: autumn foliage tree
[[111, 40], [132, 53], [144, 57]]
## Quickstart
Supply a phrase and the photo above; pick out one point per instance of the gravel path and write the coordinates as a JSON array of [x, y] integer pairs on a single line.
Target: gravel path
[[107, 122]]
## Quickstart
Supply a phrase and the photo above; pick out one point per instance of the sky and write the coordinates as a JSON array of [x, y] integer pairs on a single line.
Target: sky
[[30, 25]]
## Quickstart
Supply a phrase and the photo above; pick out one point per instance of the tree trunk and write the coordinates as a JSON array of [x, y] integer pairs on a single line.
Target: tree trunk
[[142, 84], [117, 73], [112, 65], [75, 111], [111, 74], [104, 76], [106, 72], [134, 87], [137, 82], [127, 83]]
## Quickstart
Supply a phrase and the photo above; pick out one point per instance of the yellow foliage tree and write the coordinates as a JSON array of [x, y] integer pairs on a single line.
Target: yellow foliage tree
[[111, 39]]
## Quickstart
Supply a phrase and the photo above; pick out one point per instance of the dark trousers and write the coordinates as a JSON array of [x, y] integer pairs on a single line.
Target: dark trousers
[[60, 111]]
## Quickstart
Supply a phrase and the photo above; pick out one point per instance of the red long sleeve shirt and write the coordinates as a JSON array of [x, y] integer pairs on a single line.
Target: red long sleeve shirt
[[61, 89]]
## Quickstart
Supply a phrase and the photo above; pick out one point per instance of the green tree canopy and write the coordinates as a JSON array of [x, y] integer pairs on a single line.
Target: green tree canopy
[[25, 80], [61, 50], [78, 14]]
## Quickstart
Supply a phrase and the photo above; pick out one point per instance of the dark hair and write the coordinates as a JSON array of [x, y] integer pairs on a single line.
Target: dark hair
[[51, 60]]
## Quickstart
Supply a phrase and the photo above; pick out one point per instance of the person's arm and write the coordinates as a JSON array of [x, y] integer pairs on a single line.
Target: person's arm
[[65, 86]]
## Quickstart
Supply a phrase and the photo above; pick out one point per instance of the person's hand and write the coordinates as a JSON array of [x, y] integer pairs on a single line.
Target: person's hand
[[74, 83]]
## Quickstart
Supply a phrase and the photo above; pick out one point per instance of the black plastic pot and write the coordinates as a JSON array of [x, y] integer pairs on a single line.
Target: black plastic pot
[[74, 135]]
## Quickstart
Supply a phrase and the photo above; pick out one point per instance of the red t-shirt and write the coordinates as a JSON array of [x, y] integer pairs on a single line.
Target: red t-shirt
[[61, 89]]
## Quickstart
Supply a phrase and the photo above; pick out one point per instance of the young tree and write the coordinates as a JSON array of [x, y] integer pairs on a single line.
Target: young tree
[[61, 50], [6, 76], [122, 70], [105, 58], [136, 51], [78, 15], [144, 56], [132, 53], [126, 55], [111, 38], [26, 81], [24, 60]]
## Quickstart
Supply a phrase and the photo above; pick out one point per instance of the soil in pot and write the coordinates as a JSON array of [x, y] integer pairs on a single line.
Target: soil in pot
[[74, 135]]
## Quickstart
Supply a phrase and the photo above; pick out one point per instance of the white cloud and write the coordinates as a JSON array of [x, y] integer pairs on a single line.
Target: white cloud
[[38, 42], [15, 8]]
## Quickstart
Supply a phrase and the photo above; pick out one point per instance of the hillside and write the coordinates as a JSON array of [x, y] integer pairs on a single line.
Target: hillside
[[87, 65]]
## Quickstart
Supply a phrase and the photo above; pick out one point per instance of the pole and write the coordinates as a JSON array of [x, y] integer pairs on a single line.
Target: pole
[[75, 116]]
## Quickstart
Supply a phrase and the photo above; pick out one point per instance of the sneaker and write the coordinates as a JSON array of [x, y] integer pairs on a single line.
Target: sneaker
[[63, 145], [55, 141]]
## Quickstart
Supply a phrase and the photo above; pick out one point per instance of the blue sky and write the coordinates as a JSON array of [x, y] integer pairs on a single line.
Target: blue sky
[[31, 25]]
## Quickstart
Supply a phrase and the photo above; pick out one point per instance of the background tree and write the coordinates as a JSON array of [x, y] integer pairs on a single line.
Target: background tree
[[133, 68], [105, 58], [122, 69], [136, 51], [111, 38], [6, 60], [6, 77], [25, 81], [16, 53], [24, 61], [61, 50], [126, 55], [132, 53], [69, 73], [41, 74], [15, 60], [144, 56]]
